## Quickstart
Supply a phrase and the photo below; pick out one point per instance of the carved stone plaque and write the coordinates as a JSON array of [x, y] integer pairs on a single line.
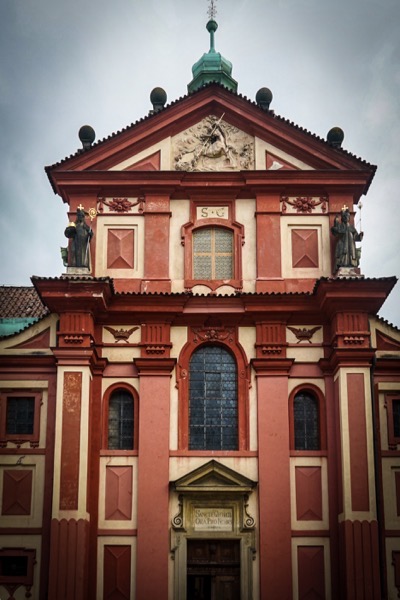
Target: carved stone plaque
[[213, 519], [212, 212]]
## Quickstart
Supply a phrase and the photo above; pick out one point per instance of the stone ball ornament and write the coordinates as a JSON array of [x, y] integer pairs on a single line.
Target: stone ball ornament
[[264, 98], [87, 135], [158, 98], [335, 136]]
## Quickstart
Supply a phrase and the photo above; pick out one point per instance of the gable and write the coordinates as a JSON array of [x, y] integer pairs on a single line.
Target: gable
[[212, 130]]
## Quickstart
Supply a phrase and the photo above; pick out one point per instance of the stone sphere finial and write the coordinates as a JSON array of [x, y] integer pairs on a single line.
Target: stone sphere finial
[[264, 98], [158, 98], [87, 135], [335, 137]]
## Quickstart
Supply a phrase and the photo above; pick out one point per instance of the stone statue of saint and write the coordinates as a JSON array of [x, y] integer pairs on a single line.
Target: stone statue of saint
[[79, 234], [346, 254]]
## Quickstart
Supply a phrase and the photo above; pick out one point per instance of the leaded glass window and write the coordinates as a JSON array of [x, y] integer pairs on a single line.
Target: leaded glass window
[[213, 404], [396, 418], [213, 253], [306, 422], [120, 421], [20, 415]]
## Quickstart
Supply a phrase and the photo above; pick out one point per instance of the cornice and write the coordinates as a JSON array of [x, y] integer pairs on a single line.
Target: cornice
[[152, 367], [347, 358], [272, 367]]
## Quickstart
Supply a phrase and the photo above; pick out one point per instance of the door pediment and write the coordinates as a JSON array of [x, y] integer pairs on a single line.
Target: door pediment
[[213, 477]]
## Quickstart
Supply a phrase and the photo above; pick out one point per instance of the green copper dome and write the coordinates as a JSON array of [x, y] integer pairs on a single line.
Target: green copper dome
[[212, 66]]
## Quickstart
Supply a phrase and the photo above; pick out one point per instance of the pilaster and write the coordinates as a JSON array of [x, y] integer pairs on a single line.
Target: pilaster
[[153, 478], [268, 214], [156, 245], [69, 550], [358, 528], [272, 370]]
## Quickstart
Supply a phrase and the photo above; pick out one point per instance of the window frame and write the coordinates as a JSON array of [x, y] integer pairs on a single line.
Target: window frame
[[19, 580], [228, 223], [393, 440], [20, 438], [206, 398], [228, 339], [317, 393], [106, 402]]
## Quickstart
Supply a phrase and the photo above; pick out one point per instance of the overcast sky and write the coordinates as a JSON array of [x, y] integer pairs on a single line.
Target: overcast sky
[[65, 63]]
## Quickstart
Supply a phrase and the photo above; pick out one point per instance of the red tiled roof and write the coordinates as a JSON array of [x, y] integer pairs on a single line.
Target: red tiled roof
[[17, 302]]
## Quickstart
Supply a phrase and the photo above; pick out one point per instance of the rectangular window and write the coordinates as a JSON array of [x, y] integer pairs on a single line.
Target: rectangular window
[[16, 566], [20, 417], [396, 418], [392, 403], [213, 253]]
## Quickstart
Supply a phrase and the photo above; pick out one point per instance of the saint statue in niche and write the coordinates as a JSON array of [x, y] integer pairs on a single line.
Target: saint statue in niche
[[79, 234], [346, 253]]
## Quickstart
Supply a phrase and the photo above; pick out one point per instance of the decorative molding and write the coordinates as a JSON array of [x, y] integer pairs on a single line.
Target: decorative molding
[[353, 340], [266, 349], [305, 334], [120, 205], [213, 145], [213, 334], [304, 204], [121, 335], [155, 349], [177, 521], [73, 339], [248, 520]]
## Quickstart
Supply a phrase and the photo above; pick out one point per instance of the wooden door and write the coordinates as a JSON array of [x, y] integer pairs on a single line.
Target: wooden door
[[213, 570]]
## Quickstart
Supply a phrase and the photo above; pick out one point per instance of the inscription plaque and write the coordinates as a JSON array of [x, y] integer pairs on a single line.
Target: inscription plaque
[[213, 519], [212, 212]]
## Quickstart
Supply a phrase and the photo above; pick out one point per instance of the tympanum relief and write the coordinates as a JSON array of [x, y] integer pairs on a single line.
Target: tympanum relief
[[213, 145]]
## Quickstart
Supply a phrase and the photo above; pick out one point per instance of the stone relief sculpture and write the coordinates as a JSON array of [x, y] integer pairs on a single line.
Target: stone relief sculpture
[[346, 253], [213, 145]]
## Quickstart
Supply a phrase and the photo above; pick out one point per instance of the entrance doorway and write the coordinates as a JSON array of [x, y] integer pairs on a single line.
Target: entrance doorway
[[213, 569]]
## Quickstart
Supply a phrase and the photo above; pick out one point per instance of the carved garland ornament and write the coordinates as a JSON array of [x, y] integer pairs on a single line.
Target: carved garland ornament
[[304, 204], [211, 334], [120, 205]]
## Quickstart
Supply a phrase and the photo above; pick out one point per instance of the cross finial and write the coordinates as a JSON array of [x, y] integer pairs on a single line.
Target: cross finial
[[345, 208], [80, 207], [212, 9]]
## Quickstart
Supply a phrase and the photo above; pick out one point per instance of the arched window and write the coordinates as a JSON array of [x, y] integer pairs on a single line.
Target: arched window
[[306, 420], [213, 253], [213, 400], [120, 420]]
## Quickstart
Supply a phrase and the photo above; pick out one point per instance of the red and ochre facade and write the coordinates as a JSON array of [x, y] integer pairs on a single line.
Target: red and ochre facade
[[94, 522]]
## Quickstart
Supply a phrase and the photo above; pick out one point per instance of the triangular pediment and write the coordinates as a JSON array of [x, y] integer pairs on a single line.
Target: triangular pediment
[[211, 130], [385, 337], [40, 335], [213, 476]]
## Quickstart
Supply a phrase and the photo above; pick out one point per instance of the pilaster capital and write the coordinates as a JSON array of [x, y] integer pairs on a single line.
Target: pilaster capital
[[272, 367], [81, 357], [154, 367], [347, 357]]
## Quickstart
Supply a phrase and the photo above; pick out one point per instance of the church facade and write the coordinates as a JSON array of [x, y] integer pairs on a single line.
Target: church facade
[[206, 405]]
